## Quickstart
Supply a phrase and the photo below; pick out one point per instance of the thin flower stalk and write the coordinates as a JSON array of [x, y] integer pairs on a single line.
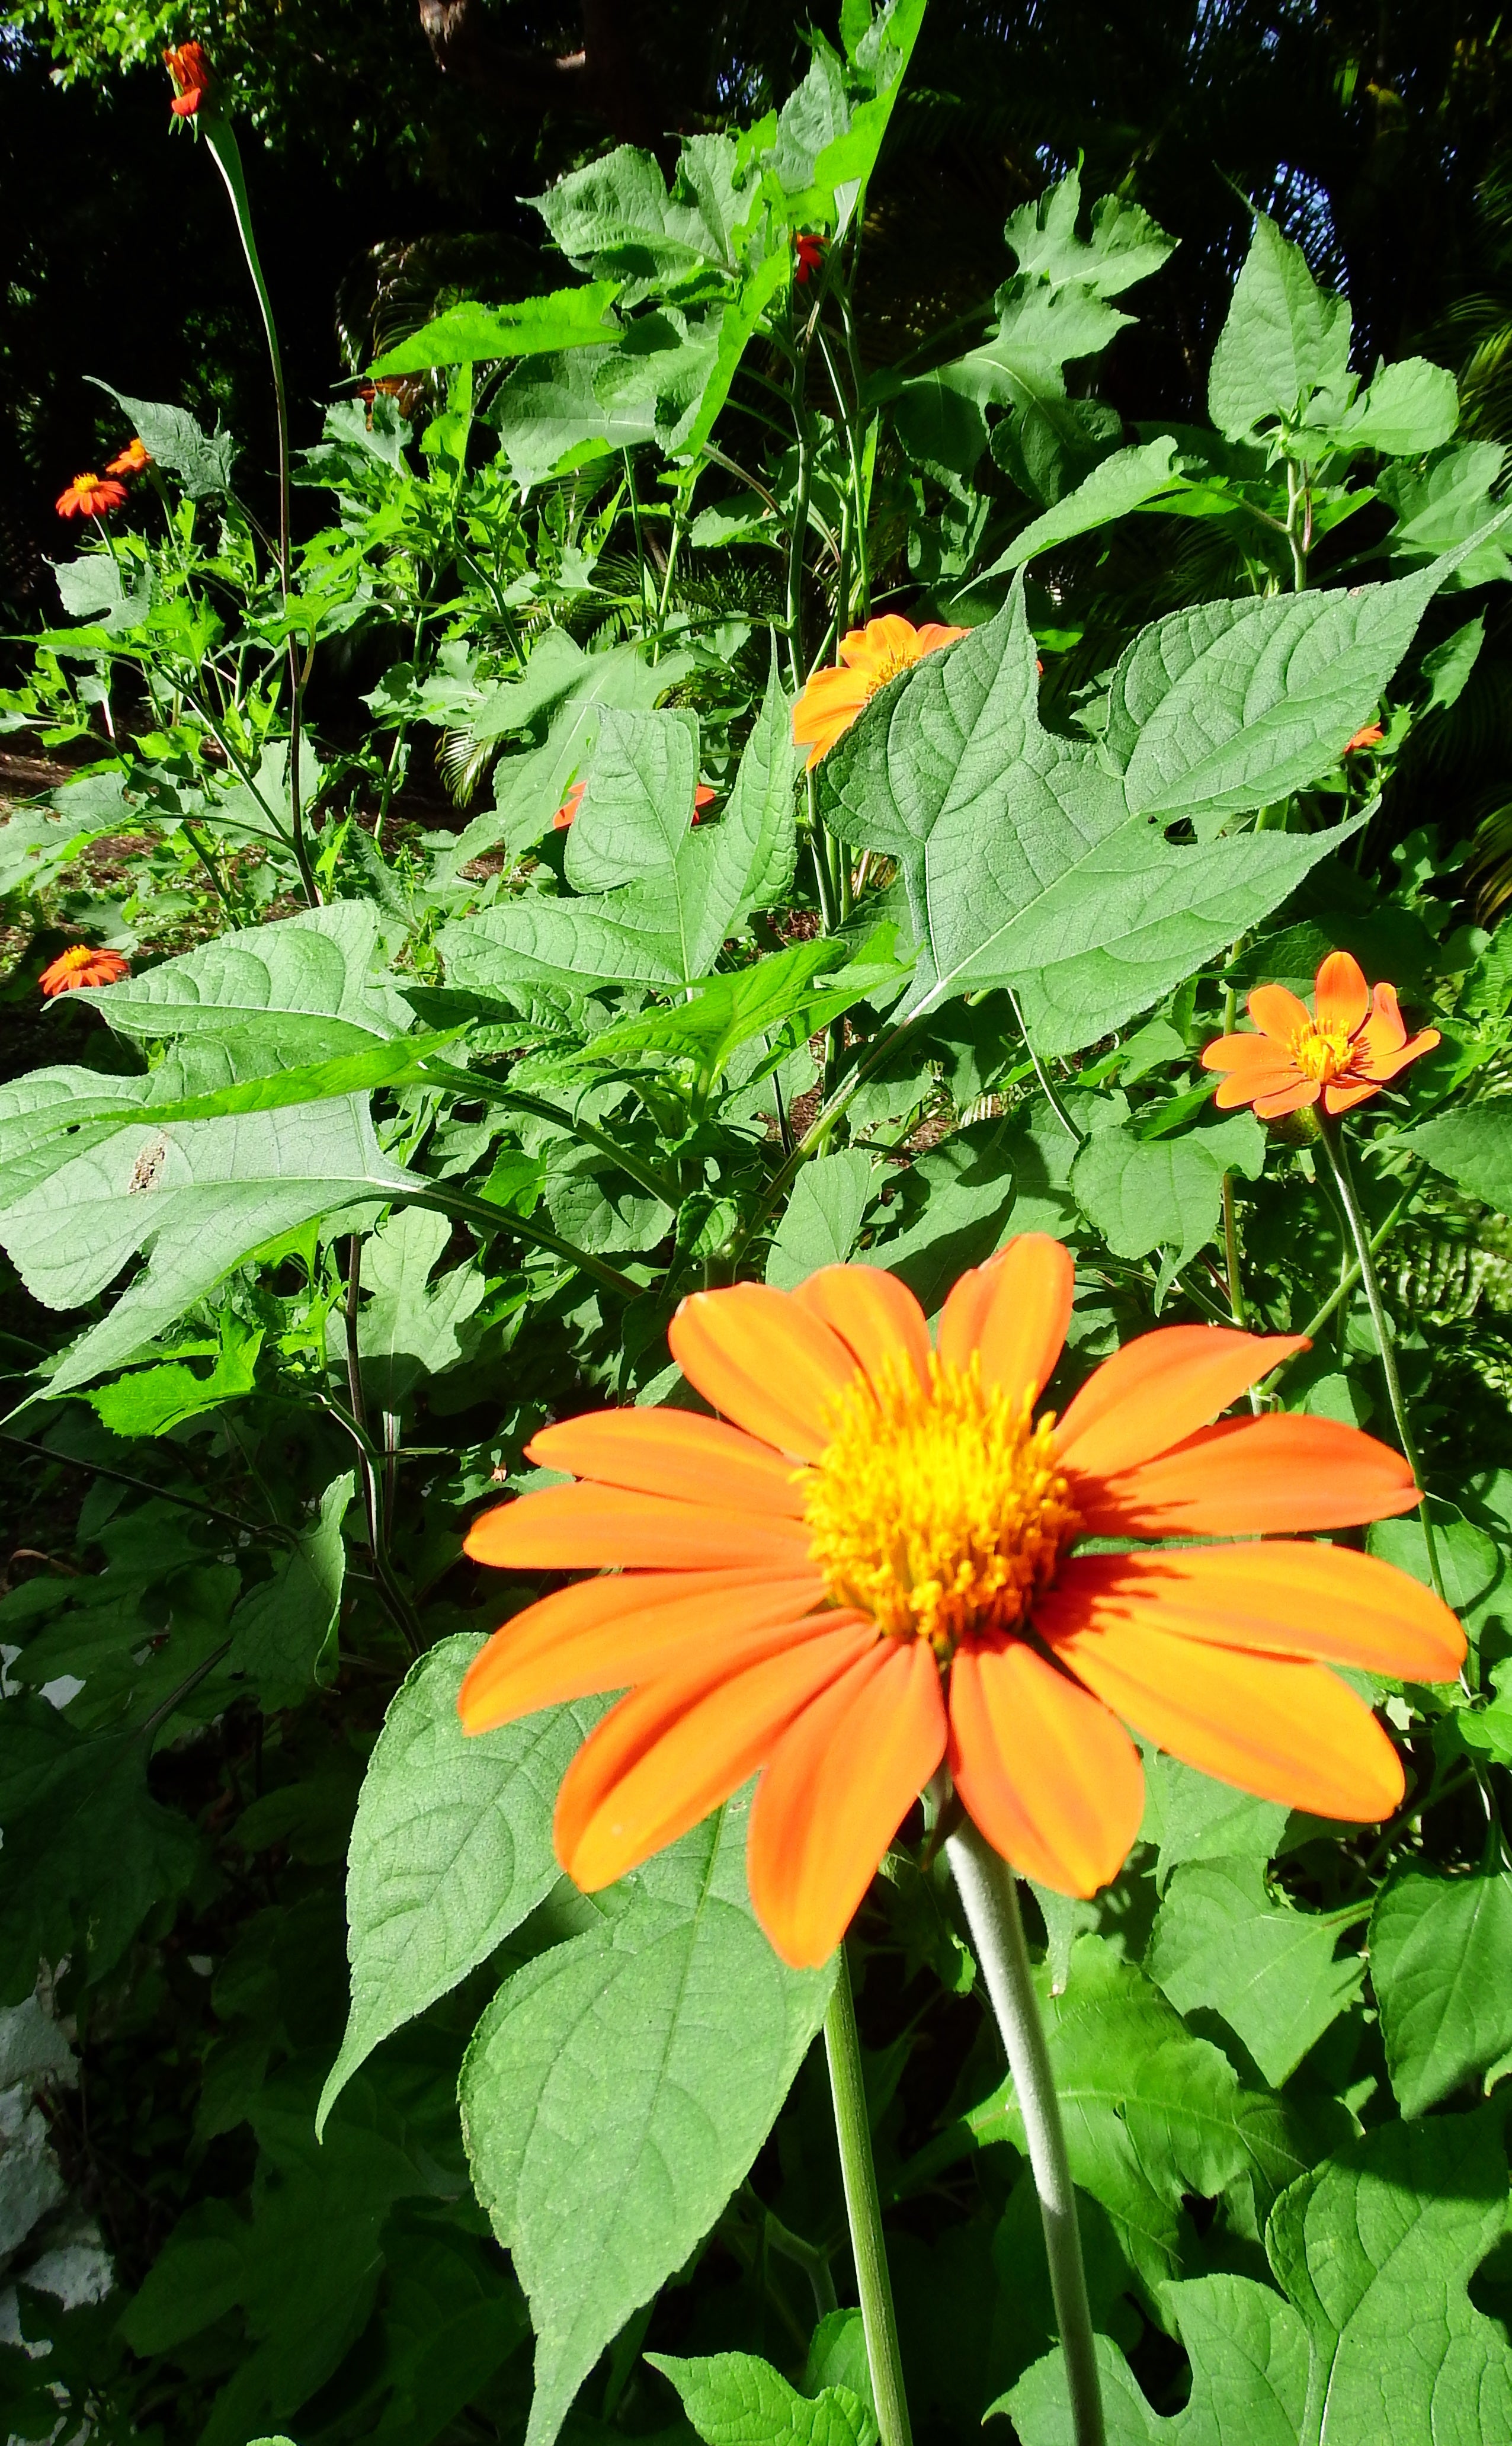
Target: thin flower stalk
[[858, 2173]]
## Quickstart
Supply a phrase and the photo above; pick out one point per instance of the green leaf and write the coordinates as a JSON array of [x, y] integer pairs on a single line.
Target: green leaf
[[1116, 486], [1151, 2113], [283, 1634], [305, 985], [451, 1849], [618, 2089], [726, 1011], [954, 1211], [1412, 406], [1439, 1953], [1191, 1816], [735, 2400], [1285, 346], [1125, 244], [1024, 862], [1221, 1942], [538, 326], [407, 1329], [95, 587], [155, 1398], [1375, 2248], [1249, 2357], [822, 1217], [557, 413], [1144, 1194], [617, 217], [1444, 506], [1472, 1147], [201, 460]]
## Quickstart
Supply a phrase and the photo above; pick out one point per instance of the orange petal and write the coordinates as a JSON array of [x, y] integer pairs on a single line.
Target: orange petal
[[626, 1628], [874, 1314], [1159, 1388], [1262, 1088], [670, 1452], [1384, 1030], [1252, 1051], [1289, 1732], [1281, 1596], [1339, 1098], [1341, 998], [1013, 1311], [677, 1748], [884, 645], [840, 1782], [1051, 1778], [596, 1527], [1276, 1010], [1252, 1478], [933, 635], [1386, 1065], [1288, 1099], [768, 1364]]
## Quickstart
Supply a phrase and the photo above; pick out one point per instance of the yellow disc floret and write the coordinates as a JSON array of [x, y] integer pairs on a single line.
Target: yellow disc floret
[[938, 1510], [1320, 1053]]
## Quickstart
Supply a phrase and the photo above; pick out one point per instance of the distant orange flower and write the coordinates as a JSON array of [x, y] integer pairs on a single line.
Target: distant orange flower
[[809, 248], [872, 1569], [871, 656], [1371, 736], [193, 78], [703, 797], [131, 460], [1345, 1049], [90, 497], [81, 964]]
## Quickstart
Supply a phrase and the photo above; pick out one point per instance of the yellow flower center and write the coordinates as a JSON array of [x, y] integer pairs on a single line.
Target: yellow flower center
[[1320, 1053], [939, 1510]]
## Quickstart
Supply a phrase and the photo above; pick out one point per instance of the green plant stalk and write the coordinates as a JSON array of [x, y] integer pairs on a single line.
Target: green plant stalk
[[1332, 1138], [220, 136], [988, 1891], [842, 2046], [483, 1216], [816, 1136], [1046, 1083]]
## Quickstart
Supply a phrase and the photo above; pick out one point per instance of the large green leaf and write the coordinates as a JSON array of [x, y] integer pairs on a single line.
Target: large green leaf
[[305, 985], [1285, 346], [1122, 483], [1125, 244], [1144, 1194], [408, 1328], [1473, 1147], [569, 318], [735, 2400], [451, 1849], [1025, 862], [1440, 1951], [1151, 2113], [1221, 1942], [822, 1217], [1375, 2248], [1412, 406], [1249, 2357], [283, 1634], [202, 460], [618, 2089]]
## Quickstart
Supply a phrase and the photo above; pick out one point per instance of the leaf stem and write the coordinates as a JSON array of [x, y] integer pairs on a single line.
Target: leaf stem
[[1332, 1138], [842, 2043], [988, 1891], [1042, 1074]]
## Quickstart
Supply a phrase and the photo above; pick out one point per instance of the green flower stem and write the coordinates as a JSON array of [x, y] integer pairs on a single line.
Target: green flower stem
[[989, 1893], [858, 2170], [220, 136], [1332, 1139]]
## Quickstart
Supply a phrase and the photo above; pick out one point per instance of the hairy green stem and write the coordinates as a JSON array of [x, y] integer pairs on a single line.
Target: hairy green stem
[[988, 1890], [1332, 1139], [841, 2045]]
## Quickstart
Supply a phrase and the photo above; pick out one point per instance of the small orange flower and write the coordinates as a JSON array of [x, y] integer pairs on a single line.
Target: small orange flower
[[703, 797], [1345, 1049], [568, 807], [871, 656], [809, 248], [193, 78], [90, 497], [81, 964], [1371, 736], [131, 460], [874, 1568]]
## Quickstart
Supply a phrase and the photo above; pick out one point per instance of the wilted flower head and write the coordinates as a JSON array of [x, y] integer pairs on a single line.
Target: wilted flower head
[[90, 497], [131, 460], [81, 964], [809, 248], [193, 77]]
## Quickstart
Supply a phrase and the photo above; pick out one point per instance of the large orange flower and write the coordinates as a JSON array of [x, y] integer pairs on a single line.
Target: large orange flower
[[81, 964], [90, 497], [869, 658], [193, 78], [872, 1568], [1346, 1047]]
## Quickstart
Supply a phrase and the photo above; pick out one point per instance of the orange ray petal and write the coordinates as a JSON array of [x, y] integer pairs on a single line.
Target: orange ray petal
[[1289, 1732], [1385, 1030], [1262, 1088], [768, 1364], [1386, 1065], [874, 1314], [1013, 1311], [882, 646], [1051, 1778], [679, 1746], [1252, 1478], [1288, 1099], [670, 1452], [1159, 1389], [840, 1782], [1280, 1596], [1276, 1010], [1253, 1051], [610, 1633], [596, 1527], [1341, 998], [1338, 1099]]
